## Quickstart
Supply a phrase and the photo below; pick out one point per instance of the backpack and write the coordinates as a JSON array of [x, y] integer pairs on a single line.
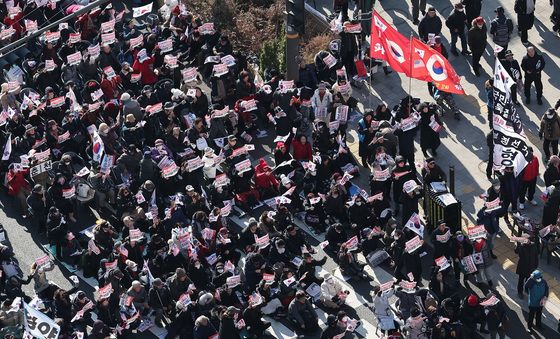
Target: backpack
[[501, 37]]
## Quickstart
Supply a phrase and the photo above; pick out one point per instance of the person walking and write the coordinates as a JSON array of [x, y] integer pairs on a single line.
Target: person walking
[[528, 183], [533, 64], [472, 10], [514, 70], [430, 24], [537, 290], [457, 22], [525, 10], [501, 28], [528, 252], [550, 131], [477, 42], [418, 6]]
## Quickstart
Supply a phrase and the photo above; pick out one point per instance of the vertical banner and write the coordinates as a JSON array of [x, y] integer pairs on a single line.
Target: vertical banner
[[510, 142]]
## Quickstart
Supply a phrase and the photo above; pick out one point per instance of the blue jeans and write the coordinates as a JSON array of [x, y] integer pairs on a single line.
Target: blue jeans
[[460, 35]]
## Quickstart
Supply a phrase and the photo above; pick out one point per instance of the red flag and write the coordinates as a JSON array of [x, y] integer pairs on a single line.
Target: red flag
[[430, 65], [388, 44]]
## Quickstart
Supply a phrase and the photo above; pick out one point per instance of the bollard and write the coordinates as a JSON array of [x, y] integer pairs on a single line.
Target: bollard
[[452, 179]]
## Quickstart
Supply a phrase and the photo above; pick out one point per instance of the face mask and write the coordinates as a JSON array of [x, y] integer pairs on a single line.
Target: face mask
[[197, 265], [397, 237], [460, 238], [134, 269], [497, 188], [219, 190], [479, 26], [281, 250], [335, 195], [460, 10], [220, 271], [359, 203], [538, 279]]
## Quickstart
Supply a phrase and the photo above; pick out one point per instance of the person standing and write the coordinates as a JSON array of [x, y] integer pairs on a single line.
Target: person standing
[[512, 67], [555, 16], [430, 24], [529, 177], [456, 22], [533, 64], [430, 125], [365, 136], [509, 184], [418, 6], [477, 42], [550, 131], [537, 289], [528, 253], [472, 9], [501, 28], [490, 162], [525, 10]]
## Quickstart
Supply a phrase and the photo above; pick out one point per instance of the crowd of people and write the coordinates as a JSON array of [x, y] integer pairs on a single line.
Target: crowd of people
[[154, 124]]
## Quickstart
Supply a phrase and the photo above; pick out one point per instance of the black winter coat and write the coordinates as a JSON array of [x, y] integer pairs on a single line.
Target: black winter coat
[[456, 21]]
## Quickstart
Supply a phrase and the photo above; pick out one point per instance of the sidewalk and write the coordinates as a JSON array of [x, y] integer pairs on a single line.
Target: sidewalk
[[463, 142]]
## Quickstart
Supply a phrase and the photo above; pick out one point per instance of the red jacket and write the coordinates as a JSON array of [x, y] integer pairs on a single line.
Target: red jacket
[[531, 171], [301, 151], [146, 69], [16, 181]]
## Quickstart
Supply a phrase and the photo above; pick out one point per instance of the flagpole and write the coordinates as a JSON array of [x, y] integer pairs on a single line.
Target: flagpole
[[410, 79]]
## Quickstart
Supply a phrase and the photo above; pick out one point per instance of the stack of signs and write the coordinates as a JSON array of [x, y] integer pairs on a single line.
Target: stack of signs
[[243, 166], [74, 37], [415, 225], [108, 26], [381, 175], [477, 232], [137, 41], [68, 193], [189, 74], [49, 65], [228, 60], [468, 264], [135, 235], [493, 205], [207, 28], [220, 69], [108, 38], [442, 263], [342, 113], [263, 241], [63, 137], [434, 125], [94, 51], [413, 244], [329, 60], [171, 61], [43, 262], [109, 72], [165, 45], [233, 281]]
